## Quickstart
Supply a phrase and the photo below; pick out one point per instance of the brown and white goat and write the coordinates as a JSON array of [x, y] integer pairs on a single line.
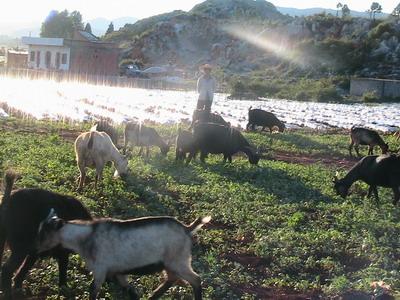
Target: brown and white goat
[[95, 149], [143, 136], [364, 136], [114, 248]]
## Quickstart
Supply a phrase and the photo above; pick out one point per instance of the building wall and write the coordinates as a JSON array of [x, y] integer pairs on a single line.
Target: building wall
[[53, 54], [17, 59], [96, 59], [382, 87]]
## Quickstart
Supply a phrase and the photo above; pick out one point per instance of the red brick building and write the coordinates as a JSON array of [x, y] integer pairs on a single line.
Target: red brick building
[[83, 54], [17, 59]]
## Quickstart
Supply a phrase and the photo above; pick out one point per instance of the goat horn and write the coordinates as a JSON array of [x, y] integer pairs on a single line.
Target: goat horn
[[51, 215]]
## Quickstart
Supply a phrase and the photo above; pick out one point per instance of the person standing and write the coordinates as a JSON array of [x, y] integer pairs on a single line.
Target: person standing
[[205, 87]]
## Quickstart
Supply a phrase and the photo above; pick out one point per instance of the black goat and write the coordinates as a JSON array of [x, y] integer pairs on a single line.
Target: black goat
[[205, 116], [184, 144], [143, 136], [376, 171], [364, 136], [21, 213], [215, 138], [259, 117]]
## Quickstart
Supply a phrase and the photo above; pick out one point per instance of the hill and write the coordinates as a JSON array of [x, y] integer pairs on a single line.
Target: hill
[[319, 10]]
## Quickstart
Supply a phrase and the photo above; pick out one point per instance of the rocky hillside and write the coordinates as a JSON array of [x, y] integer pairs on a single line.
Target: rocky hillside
[[247, 36]]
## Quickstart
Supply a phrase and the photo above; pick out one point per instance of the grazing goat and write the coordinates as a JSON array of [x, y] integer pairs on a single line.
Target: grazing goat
[[104, 126], [215, 138], [376, 171], [184, 144], [143, 136], [259, 117], [21, 213], [95, 149], [205, 116], [114, 248], [364, 136]]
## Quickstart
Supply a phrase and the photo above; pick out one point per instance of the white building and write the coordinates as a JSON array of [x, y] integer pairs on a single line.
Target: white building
[[47, 53]]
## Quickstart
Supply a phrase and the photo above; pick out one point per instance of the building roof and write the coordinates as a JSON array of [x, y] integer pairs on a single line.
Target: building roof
[[27, 40], [88, 36], [23, 52]]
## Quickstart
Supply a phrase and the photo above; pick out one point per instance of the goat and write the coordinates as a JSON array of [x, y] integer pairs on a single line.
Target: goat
[[21, 213], [205, 116], [95, 149], [143, 136], [184, 144], [215, 138], [374, 170], [364, 136], [115, 248], [104, 126], [259, 117]]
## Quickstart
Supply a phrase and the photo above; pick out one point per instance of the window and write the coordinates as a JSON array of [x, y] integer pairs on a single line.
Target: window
[[48, 59], [32, 56], [64, 59], [37, 59], [58, 60]]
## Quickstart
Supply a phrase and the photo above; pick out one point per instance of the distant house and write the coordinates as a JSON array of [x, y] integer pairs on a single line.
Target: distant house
[[16, 59], [83, 54]]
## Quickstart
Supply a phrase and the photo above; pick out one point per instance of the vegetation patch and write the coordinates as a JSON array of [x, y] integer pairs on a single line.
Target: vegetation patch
[[277, 228]]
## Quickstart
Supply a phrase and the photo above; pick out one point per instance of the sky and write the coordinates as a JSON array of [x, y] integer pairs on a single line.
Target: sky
[[28, 11]]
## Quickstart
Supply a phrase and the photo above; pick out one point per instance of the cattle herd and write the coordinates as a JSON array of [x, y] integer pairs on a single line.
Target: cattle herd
[[37, 223]]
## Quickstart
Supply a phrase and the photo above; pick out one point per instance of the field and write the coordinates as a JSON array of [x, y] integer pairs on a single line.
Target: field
[[278, 231]]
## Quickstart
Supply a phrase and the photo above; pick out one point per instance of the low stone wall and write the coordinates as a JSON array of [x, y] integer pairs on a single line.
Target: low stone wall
[[98, 79], [382, 87]]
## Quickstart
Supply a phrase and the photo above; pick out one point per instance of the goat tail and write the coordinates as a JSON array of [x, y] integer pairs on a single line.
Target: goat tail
[[90, 142], [9, 179], [250, 108], [197, 224]]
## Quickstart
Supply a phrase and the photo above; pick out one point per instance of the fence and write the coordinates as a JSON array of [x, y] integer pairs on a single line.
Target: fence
[[118, 81], [382, 87]]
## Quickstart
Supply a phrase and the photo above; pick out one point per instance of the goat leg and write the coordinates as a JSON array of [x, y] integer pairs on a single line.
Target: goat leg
[[23, 271], [373, 190], [123, 282], [396, 193], [8, 270], [350, 148]]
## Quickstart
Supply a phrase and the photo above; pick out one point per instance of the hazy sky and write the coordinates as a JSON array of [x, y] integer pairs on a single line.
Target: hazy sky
[[26, 11]]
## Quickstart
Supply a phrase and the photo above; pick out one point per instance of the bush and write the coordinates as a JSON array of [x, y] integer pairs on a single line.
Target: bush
[[370, 96]]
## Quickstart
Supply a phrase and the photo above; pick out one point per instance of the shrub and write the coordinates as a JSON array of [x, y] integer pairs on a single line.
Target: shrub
[[370, 96]]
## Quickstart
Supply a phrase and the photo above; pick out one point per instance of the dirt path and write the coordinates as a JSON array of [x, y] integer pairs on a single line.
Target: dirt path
[[303, 159]]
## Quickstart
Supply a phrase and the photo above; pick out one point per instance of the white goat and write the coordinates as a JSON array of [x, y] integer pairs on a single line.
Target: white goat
[[114, 248], [95, 149]]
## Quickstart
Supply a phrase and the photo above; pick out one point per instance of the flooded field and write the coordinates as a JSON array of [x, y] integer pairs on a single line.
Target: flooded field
[[77, 101]]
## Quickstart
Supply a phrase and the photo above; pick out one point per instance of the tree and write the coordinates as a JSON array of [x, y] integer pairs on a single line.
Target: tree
[[338, 6], [345, 11], [376, 8], [110, 28], [61, 24], [396, 11], [88, 28]]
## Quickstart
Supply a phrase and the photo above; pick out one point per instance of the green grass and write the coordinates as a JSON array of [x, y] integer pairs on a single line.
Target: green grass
[[278, 225]]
